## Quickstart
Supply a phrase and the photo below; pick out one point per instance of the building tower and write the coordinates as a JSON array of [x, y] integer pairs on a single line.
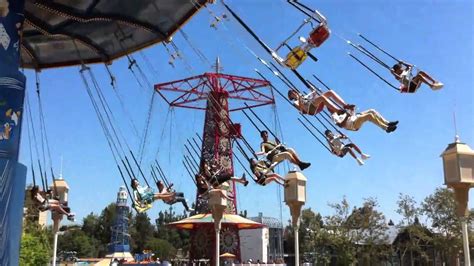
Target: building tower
[[60, 190], [218, 91], [119, 246]]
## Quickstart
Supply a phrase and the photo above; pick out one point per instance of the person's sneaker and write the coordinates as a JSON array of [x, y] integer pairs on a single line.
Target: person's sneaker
[[304, 165], [390, 129], [360, 162], [394, 123], [437, 85], [246, 182], [70, 217], [364, 156]]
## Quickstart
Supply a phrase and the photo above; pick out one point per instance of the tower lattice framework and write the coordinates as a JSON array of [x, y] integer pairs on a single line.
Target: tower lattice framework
[[218, 94]]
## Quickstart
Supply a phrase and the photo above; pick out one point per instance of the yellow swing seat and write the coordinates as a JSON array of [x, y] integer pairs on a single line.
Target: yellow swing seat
[[141, 207], [296, 57]]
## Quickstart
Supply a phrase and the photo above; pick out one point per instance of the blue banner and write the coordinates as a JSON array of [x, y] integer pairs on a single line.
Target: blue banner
[[11, 25], [12, 94]]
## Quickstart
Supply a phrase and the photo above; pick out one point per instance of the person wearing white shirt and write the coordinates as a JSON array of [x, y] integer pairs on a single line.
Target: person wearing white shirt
[[314, 102], [146, 195], [408, 83], [339, 148], [350, 120]]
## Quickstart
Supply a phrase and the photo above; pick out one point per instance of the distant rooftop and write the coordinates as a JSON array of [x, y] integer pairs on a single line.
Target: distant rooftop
[[270, 222]]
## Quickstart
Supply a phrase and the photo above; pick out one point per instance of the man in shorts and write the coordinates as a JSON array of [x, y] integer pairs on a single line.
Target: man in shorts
[[275, 152]]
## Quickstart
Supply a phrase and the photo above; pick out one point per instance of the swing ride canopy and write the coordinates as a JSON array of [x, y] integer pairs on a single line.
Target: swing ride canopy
[[199, 219], [61, 33]]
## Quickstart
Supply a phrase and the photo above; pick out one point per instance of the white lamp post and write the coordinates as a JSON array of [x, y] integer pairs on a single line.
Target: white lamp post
[[55, 247], [295, 198], [458, 165], [218, 204]]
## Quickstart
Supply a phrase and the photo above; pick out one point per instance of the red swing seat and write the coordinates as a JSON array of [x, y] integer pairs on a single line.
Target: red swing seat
[[319, 35]]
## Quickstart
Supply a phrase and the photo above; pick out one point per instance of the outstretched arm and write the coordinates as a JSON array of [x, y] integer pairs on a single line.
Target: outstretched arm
[[262, 150]]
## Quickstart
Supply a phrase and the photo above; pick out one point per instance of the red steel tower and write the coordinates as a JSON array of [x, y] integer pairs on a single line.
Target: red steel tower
[[221, 94]]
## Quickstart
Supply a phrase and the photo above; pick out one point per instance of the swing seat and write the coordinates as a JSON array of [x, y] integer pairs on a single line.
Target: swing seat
[[411, 88], [319, 35], [295, 58], [140, 207]]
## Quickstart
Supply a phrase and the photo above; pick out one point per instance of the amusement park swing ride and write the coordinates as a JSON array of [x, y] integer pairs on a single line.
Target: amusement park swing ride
[[55, 34]]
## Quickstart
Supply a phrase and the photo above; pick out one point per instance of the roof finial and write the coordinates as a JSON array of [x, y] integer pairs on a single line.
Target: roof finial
[[456, 136], [61, 173], [218, 65]]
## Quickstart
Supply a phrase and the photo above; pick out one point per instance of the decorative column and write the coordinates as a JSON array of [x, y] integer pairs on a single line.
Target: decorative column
[[295, 198], [217, 204], [458, 165], [12, 91]]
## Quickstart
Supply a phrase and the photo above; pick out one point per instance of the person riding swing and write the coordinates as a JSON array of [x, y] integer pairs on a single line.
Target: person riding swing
[[343, 116], [43, 201], [213, 176], [340, 149], [179, 196], [262, 175], [143, 197], [276, 152], [314, 102], [408, 83], [350, 120], [203, 187]]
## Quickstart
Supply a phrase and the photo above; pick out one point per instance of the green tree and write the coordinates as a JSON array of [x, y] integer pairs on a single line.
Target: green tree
[[90, 225], [413, 235], [310, 225], [141, 230], [80, 242], [161, 248], [369, 227], [35, 248], [339, 235], [440, 209], [177, 238]]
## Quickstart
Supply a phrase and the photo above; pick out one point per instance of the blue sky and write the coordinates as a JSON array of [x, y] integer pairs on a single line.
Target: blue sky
[[434, 35]]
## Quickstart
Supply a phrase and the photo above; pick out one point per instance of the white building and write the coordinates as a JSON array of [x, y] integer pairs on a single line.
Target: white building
[[264, 244]]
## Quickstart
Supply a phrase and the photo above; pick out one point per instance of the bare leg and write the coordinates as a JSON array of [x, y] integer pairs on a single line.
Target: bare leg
[[353, 146], [351, 153], [296, 159], [426, 78], [326, 102], [272, 178], [55, 206], [333, 96], [164, 196], [240, 180]]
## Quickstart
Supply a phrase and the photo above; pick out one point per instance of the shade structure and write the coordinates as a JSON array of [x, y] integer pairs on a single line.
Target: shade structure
[[192, 222], [65, 32]]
